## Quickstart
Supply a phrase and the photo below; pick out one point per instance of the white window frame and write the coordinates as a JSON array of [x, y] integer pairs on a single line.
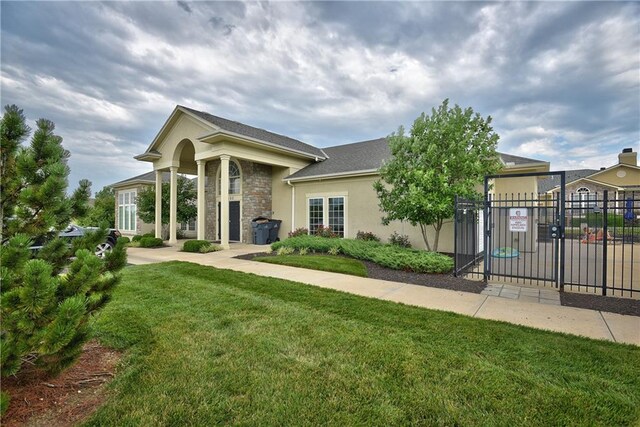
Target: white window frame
[[188, 226], [325, 210], [586, 198], [232, 178], [127, 211]]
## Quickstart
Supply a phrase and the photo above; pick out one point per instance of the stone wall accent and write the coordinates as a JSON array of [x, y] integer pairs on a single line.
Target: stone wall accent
[[211, 175], [256, 195]]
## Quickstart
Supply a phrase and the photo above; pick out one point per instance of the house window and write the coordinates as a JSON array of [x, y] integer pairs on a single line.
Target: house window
[[316, 214], [327, 211], [336, 215], [188, 226], [127, 211], [234, 178], [585, 198]]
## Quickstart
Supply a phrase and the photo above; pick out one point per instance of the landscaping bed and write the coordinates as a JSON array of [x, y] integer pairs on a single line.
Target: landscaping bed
[[375, 271], [386, 255], [65, 400], [628, 306]]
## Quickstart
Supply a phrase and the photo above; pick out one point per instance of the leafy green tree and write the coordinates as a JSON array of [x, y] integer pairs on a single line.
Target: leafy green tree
[[102, 213], [45, 312], [447, 153], [187, 197]]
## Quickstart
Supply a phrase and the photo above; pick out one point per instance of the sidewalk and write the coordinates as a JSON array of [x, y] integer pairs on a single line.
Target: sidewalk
[[577, 321]]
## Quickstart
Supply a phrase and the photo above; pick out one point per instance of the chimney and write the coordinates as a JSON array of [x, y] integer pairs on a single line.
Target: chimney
[[628, 157]]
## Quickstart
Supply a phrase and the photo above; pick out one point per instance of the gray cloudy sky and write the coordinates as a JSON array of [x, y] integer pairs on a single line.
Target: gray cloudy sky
[[561, 80]]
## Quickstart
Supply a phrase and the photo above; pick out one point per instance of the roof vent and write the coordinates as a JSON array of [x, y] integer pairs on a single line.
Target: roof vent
[[627, 150]]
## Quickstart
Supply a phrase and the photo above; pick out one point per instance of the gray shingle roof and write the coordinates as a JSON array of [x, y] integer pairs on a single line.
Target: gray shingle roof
[[145, 177], [359, 156], [366, 155], [257, 133], [551, 182]]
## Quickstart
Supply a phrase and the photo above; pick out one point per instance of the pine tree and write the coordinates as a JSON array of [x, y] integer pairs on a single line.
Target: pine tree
[[46, 303]]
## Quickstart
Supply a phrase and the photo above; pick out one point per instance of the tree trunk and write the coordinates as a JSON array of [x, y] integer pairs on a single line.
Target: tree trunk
[[437, 226], [423, 230]]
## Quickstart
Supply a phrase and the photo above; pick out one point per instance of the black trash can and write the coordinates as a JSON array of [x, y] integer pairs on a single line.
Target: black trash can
[[260, 228], [274, 228]]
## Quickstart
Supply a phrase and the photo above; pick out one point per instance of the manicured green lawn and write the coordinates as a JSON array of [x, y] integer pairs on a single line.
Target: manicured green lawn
[[207, 346], [335, 264]]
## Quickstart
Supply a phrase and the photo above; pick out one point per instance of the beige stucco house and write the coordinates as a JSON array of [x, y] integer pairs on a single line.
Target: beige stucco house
[[244, 172], [587, 185]]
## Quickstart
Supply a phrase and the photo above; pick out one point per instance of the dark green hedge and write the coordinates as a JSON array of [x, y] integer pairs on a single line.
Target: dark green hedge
[[389, 256], [194, 245], [150, 242]]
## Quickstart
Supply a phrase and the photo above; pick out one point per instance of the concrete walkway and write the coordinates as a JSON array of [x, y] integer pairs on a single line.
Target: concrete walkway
[[527, 312]]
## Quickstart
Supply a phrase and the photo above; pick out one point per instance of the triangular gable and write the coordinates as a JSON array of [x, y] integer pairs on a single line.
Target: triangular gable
[[624, 165], [588, 180], [173, 119]]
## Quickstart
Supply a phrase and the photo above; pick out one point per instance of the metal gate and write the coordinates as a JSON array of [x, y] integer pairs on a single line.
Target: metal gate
[[569, 241], [523, 235]]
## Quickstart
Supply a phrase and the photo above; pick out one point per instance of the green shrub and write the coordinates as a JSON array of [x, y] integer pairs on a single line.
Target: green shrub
[[124, 239], [401, 240], [209, 248], [150, 242], [302, 231], [390, 256], [284, 250], [334, 250], [595, 220], [137, 237], [194, 245], [323, 231], [367, 235], [303, 251]]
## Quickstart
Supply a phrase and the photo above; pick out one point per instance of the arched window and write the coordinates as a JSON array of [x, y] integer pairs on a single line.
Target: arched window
[[234, 178], [586, 198]]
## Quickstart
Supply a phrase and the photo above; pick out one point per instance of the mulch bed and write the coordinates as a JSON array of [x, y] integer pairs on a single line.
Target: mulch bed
[[625, 306], [628, 306], [374, 271], [65, 400]]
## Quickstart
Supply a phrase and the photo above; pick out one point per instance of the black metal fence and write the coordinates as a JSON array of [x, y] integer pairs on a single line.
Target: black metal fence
[[520, 238]]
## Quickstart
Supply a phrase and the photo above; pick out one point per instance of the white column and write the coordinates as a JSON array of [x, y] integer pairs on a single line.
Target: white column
[[173, 206], [159, 204], [201, 199], [224, 201]]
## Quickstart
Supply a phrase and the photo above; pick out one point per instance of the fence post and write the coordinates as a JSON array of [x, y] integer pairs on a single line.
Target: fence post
[[486, 230], [562, 228], [605, 231], [456, 230]]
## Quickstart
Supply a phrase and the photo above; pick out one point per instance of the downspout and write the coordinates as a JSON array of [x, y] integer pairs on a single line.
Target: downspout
[[293, 205]]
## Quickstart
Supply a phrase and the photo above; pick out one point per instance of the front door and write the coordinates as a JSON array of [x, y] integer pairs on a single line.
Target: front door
[[234, 221]]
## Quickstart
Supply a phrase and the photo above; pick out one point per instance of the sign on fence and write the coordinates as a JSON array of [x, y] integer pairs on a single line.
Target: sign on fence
[[518, 219]]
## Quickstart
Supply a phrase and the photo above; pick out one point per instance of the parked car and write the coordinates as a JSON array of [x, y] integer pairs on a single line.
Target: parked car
[[75, 231]]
